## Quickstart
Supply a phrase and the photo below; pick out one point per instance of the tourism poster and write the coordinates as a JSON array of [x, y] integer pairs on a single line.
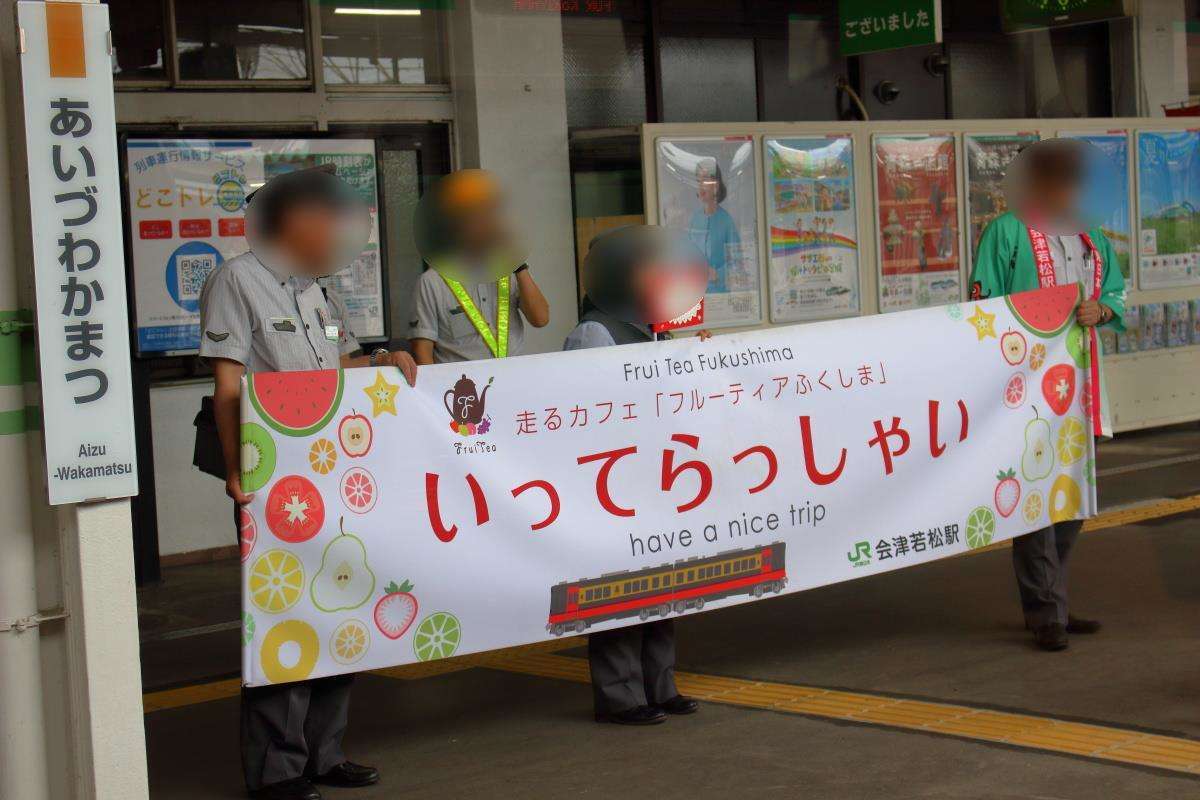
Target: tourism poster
[[988, 157], [708, 187], [1117, 228], [916, 222], [811, 214], [1168, 173], [187, 206]]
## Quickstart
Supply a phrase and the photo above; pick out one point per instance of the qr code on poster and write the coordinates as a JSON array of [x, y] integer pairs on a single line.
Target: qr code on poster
[[193, 272]]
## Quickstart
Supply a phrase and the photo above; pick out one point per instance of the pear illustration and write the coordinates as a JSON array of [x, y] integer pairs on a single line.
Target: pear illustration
[[1038, 459], [344, 580]]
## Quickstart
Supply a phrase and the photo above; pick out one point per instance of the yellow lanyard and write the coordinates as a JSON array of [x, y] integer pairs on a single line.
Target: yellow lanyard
[[497, 342]]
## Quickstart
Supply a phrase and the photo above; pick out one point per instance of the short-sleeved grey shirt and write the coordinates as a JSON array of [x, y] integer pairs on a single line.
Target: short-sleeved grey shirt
[[270, 321], [437, 316]]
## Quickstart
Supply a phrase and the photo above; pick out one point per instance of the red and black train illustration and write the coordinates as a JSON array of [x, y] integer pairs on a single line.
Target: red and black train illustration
[[657, 591]]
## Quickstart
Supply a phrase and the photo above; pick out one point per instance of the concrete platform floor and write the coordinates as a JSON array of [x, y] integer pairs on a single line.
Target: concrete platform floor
[[943, 633]]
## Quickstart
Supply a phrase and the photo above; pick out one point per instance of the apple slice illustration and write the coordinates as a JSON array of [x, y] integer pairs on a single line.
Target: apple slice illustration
[[396, 610], [355, 435]]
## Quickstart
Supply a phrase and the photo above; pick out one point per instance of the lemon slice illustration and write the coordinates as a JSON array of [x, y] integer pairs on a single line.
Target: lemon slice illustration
[[437, 636], [276, 581], [981, 525], [349, 642], [1071, 444], [1033, 507]]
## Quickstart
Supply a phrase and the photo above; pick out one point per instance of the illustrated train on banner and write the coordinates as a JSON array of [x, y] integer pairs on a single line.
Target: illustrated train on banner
[[504, 502]]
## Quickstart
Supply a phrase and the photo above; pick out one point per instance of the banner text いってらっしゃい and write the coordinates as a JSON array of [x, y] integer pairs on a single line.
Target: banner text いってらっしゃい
[[507, 501]]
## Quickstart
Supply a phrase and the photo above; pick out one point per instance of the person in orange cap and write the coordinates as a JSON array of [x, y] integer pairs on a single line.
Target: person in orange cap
[[476, 300]]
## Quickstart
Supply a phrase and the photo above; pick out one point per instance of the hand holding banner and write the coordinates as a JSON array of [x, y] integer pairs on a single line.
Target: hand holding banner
[[500, 503]]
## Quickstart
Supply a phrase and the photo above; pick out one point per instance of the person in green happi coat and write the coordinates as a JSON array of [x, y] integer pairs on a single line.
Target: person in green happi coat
[[1014, 256]]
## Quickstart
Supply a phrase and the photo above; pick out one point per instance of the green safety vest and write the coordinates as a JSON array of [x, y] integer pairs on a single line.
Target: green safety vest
[[497, 342]]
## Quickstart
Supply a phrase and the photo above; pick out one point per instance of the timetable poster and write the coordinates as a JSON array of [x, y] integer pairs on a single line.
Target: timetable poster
[[988, 157], [187, 206], [1117, 227], [708, 187], [916, 221], [811, 214], [1168, 208]]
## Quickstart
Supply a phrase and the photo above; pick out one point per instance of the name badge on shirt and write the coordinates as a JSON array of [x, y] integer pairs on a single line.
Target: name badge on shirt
[[333, 332]]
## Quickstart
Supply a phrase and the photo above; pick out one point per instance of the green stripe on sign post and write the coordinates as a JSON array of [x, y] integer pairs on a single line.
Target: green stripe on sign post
[[15, 346], [17, 367]]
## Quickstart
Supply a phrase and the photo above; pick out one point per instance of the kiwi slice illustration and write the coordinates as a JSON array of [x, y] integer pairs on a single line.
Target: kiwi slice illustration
[[258, 457]]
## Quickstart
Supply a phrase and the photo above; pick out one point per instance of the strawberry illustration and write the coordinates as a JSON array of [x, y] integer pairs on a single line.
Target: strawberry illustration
[[396, 610], [1008, 492]]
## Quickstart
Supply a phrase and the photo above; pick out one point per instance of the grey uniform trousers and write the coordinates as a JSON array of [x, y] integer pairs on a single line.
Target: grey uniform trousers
[[1040, 560], [293, 729], [633, 666]]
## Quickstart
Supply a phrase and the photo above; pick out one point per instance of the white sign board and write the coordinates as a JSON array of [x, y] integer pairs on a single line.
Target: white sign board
[[187, 206], [512, 500], [78, 254]]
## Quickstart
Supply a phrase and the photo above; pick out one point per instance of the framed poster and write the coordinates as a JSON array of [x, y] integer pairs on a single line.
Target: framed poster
[[987, 160], [916, 220], [708, 186], [187, 201], [1118, 227], [1168, 181], [812, 256]]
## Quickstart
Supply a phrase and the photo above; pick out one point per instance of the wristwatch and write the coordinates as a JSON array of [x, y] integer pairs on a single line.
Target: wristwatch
[[520, 268], [377, 354]]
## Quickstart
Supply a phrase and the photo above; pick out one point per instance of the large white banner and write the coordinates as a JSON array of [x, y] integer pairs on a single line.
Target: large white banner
[[505, 502], [78, 255]]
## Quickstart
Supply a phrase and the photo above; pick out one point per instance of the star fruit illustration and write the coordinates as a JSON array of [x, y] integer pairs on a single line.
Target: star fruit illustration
[[382, 395], [983, 323]]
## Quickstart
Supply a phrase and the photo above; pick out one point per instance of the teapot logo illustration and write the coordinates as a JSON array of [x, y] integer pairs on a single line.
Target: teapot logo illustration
[[466, 406]]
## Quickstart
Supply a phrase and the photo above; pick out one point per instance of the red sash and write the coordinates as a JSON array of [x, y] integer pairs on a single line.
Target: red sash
[[1045, 270]]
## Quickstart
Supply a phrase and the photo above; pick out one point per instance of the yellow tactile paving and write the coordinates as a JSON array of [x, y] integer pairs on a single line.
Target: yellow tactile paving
[[1018, 730]]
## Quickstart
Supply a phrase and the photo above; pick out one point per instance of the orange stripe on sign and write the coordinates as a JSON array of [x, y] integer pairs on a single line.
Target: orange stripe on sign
[[64, 40]]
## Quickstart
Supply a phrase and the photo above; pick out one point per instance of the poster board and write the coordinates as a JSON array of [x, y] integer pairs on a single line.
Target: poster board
[[812, 208], [1118, 228], [1168, 190], [916, 220], [187, 201], [986, 161], [722, 221]]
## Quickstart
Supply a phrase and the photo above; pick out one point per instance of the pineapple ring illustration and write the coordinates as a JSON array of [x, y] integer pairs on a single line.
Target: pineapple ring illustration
[[289, 651]]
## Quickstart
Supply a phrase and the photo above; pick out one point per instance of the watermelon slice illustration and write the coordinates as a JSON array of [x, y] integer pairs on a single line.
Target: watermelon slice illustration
[[296, 403], [1045, 312]]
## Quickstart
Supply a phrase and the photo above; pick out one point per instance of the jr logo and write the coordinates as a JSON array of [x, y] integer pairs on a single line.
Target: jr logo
[[861, 556]]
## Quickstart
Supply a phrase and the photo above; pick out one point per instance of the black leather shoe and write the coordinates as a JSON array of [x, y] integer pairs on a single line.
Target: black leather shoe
[[350, 775], [1051, 636], [294, 789], [638, 715], [1082, 626], [679, 705]]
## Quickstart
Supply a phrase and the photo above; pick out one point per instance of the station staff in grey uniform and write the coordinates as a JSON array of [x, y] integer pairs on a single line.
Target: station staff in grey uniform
[[265, 311], [632, 668], [475, 302]]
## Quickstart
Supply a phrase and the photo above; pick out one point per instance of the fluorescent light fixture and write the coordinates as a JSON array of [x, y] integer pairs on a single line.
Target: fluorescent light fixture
[[380, 12]]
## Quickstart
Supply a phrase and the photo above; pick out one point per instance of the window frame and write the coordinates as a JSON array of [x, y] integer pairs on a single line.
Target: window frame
[[314, 54]]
